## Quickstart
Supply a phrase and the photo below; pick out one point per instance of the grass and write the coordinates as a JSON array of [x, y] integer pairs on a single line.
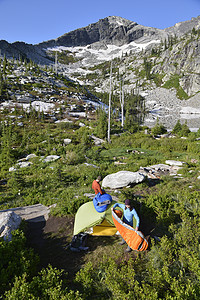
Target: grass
[[173, 82], [161, 204]]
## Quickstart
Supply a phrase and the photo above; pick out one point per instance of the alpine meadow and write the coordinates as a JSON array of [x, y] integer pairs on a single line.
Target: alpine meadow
[[110, 98]]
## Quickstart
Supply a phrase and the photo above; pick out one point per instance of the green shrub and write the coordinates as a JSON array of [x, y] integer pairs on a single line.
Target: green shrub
[[73, 158], [173, 82], [15, 259], [158, 129], [47, 284]]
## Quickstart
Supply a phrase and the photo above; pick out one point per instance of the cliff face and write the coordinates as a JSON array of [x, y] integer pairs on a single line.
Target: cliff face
[[112, 37], [119, 31], [111, 30], [182, 59], [183, 28], [25, 51], [108, 31]]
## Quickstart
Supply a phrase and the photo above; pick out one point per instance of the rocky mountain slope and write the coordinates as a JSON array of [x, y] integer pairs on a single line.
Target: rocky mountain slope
[[146, 59], [111, 30], [174, 51]]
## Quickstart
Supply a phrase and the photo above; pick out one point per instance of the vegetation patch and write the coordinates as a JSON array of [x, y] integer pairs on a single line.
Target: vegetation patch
[[168, 207], [173, 82]]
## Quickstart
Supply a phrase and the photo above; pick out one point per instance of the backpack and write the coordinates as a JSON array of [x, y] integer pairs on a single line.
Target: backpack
[[78, 242]]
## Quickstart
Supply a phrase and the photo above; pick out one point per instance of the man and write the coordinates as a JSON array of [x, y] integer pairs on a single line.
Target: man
[[96, 186]]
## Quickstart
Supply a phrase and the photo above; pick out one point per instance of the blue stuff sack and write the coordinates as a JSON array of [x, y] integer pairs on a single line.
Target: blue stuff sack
[[101, 202]]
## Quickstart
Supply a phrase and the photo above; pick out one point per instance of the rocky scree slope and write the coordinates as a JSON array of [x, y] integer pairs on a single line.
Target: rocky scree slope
[[129, 43], [176, 53]]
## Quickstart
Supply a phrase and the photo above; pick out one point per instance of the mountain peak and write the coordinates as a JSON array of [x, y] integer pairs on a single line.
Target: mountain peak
[[119, 21], [112, 30]]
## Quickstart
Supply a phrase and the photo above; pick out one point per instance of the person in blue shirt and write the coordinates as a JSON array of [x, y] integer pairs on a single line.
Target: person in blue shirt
[[130, 217]]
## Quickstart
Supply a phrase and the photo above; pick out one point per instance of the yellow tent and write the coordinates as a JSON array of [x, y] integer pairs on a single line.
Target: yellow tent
[[87, 219]]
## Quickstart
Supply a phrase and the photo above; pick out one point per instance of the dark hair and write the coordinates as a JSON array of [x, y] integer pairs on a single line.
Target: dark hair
[[128, 202], [131, 208]]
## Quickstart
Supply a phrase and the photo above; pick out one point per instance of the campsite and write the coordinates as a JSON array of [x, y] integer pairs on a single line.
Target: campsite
[[50, 158], [38, 261]]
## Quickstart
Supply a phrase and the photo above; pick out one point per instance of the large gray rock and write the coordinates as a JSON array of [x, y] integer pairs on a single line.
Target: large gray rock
[[64, 121], [67, 141], [97, 141], [175, 163], [91, 165], [51, 158], [122, 179], [156, 171], [21, 164], [30, 156], [32, 213], [9, 221]]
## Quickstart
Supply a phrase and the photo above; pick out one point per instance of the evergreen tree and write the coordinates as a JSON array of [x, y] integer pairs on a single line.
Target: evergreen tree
[[147, 68], [185, 129], [3, 88], [6, 155], [85, 139], [194, 31], [16, 182], [48, 140], [127, 122], [177, 128], [102, 126], [4, 64], [158, 129], [1, 84], [24, 138], [130, 122], [165, 45]]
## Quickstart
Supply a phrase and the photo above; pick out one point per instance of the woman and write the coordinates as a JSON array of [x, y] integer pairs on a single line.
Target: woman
[[128, 214]]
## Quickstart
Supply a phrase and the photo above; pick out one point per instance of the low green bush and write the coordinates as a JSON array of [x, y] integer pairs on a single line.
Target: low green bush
[[15, 260]]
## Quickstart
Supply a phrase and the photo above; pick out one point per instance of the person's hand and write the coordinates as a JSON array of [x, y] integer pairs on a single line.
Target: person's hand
[[136, 228]]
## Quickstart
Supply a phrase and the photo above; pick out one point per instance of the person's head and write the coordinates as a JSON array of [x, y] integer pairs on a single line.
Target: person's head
[[128, 203], [98, 178]]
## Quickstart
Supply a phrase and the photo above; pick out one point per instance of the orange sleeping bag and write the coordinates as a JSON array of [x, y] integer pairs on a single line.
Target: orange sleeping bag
[[135, 239]]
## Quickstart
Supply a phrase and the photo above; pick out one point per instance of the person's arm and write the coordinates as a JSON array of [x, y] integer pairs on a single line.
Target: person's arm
[[137, 219], [115, 205], [118, 205], [99, 189]]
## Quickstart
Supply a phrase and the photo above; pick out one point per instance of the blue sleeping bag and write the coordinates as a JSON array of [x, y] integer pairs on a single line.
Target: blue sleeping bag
[[101, 202]]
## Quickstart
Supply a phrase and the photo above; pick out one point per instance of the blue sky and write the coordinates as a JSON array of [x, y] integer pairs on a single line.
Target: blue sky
[[41, 20]]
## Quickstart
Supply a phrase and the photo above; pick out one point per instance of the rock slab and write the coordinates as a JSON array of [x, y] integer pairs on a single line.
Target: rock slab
[[31, 213], [122, 179], [175, 163], [9, 221]]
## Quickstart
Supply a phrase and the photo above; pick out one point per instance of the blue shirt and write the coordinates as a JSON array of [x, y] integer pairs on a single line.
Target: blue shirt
[[128, 215]]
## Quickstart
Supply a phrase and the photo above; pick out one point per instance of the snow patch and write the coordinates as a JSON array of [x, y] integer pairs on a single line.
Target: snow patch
[[190, 110], [112, 51], [38, 106]]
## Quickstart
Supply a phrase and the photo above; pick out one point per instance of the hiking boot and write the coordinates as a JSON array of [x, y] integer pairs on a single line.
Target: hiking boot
[[122, 243], [128, 249]]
